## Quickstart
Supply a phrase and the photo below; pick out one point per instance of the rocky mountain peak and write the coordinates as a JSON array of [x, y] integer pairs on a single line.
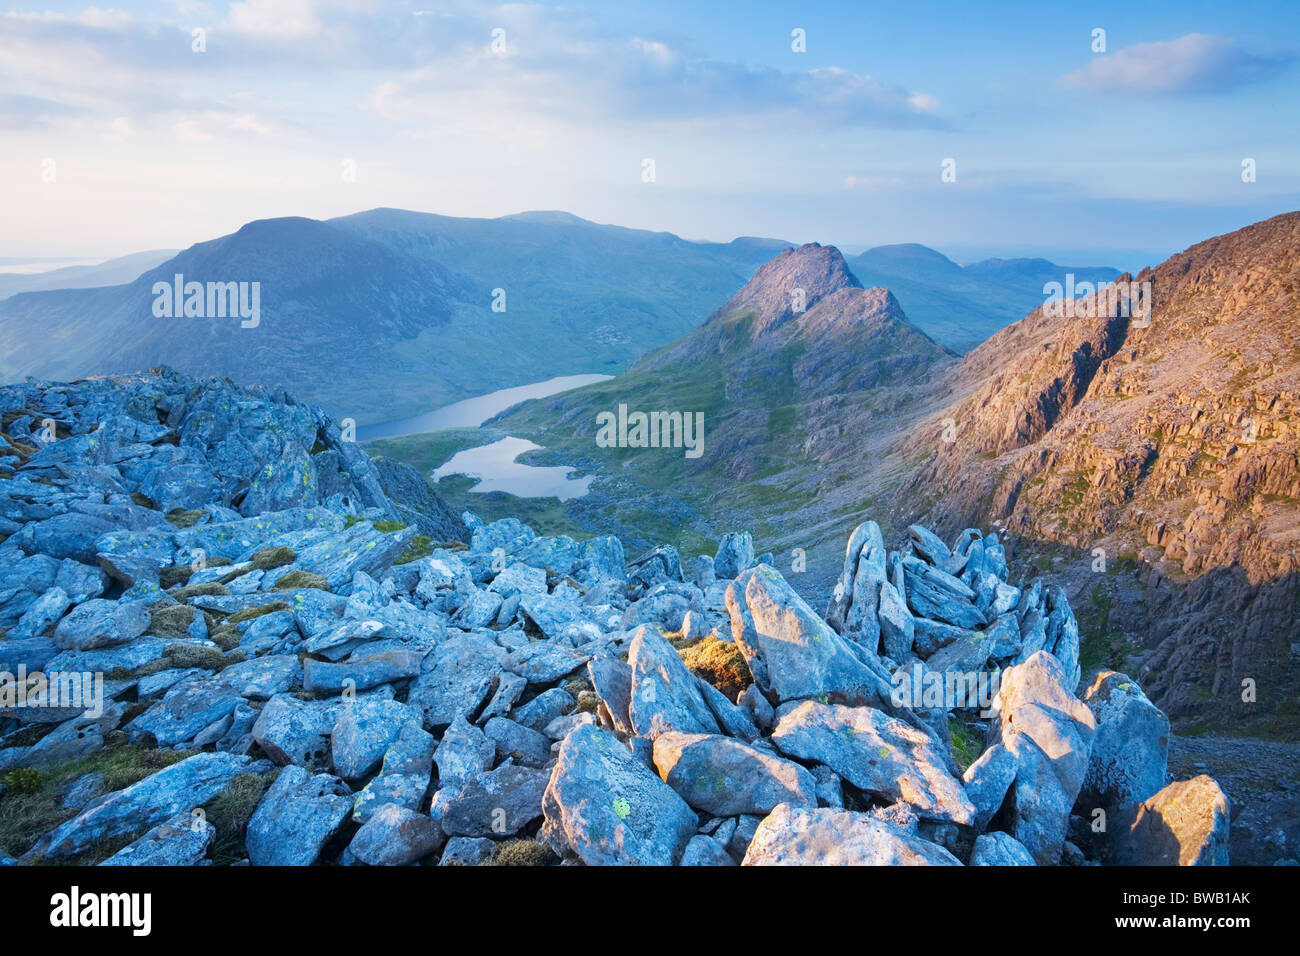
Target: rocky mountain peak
[[790, 284]]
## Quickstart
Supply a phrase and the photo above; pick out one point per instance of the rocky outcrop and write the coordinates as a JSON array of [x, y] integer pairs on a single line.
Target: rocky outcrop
[[374, 699], [1159, 434]]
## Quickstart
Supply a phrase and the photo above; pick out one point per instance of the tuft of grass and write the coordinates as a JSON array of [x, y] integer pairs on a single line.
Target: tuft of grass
[[249, 613], [225, 636], [523, 853], [170, 620], [718, 662], [181, 518], [387, 527], [229, 812], [23, 779], [967, 744], [210, 589], [191, 655], [299, 578], [421, 546]]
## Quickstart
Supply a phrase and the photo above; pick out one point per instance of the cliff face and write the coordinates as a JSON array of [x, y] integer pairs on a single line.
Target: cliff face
[[1174, 443]]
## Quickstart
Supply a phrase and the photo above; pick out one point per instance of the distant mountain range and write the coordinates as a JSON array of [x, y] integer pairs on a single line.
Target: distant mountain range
[[961, 306], [1151, 458], [110, 272], [389, 313]]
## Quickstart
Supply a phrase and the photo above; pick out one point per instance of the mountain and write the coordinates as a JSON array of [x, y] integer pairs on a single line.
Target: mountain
[[961, 306], [1170, 446], [789, 399], [110, 272], [1155, 467], [388, 313]]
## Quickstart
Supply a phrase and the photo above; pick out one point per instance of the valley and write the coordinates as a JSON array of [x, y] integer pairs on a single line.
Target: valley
[[1154, 469]]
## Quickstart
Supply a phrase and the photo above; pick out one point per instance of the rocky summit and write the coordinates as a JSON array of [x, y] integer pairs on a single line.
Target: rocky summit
[[230, 636]]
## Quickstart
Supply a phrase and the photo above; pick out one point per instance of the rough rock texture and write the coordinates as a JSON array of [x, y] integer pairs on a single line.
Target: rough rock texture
[[1185, 824], [1036, 759], [797, 836], [606, 807], [278, 619], [1170, 444]]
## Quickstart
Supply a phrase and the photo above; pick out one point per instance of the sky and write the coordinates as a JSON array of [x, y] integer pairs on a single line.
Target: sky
[[148, 125]]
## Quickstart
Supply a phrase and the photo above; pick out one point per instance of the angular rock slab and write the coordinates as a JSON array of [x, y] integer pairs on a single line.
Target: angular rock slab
[[158, 797], [792, 653], [606, 807], [296, 818], [1000, 849], [181, 841], [726, 778], [874, 752], [395, 836], [665, 695], [799, 836]]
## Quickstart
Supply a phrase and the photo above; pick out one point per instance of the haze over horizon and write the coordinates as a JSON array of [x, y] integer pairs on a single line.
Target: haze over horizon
[[321, 108]]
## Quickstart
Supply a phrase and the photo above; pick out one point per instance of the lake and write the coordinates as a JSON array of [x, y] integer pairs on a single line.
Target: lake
[[494, 465], [473, 412]]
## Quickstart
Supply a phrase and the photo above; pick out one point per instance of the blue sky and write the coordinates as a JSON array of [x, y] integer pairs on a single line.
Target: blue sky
[[1119, 157]]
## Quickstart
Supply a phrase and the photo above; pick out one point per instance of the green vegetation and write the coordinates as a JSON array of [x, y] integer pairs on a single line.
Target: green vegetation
[[34, 809], [428, 451], [298, 578], [229, 812], [967, 743], [522, 853], [253, 612], [718, 662], [182, 518], [1100, 645], [190, 655], [420, 546]]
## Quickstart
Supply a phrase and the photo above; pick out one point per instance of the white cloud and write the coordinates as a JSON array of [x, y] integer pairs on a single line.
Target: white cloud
[[1195, 63]]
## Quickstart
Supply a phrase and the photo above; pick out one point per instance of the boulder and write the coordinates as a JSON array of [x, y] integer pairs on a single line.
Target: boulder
[[606, 807], [1184, 824], [1130, 750], [160, 796], [876, 753], [101, 623], [735, 554], [664, 695], [494, 803], [1048, 734], [999, 849], [296, 818], [725, 778], [803, 836], [791, 652], [181, 841], [395, 836]]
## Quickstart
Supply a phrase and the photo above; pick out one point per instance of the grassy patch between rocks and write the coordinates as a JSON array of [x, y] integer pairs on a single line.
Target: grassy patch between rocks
[[34, 810]]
